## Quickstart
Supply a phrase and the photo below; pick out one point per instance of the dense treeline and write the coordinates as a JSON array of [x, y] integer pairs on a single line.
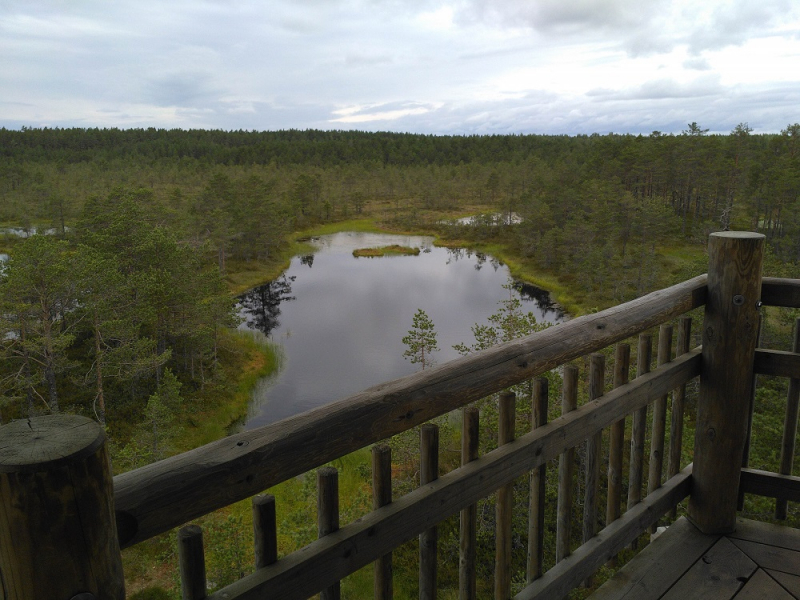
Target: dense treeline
[[603, 214], [120, 309], [119, 312]]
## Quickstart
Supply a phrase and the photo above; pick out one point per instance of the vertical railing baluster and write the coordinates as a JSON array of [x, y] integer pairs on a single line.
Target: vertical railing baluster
[[539, 403], [428, 540], [789, 426], [566, 468], [467, 578], [678, 399], [659, 419], [381, 496], [643, 359], [505, 501], [622, 361], [328, 516], [594, 450], [192, 563], [750, 412], [265, 532]]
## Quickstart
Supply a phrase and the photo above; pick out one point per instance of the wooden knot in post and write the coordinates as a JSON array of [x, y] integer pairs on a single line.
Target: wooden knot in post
[[58, 538]]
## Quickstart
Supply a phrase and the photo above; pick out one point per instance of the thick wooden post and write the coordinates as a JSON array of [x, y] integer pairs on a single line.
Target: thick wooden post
[[730, 331], [58, 537], [381, 496], [504, 505], [467, 573], [428, 539]]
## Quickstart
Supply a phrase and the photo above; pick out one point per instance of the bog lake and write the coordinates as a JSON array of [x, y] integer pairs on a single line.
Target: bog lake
[[339, 320]]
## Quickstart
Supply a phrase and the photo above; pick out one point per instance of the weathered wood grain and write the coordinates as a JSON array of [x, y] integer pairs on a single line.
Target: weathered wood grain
[[788, 440], [656, 465], [730, 331], [594, 450], [565, 576], [768, 556], [265, 530], [57, 533], [536, 507], [468, 524], [776, 362], [312, 568], [381, 496], [158, 497], [429, 538], [767, 533], [762, 586], [719, 575], [771, 485], [192, 563], [622, 357], [678, 399], [504, 503], [776, 291], [566, 467], [328, 518], [787, 581], [656, 568], [644, 356]]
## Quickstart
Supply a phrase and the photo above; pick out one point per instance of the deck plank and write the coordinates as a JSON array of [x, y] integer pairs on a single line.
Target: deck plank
[[791, 583], [718, 575], [771, 557], [659, 565], [767, 533], [763, 587]]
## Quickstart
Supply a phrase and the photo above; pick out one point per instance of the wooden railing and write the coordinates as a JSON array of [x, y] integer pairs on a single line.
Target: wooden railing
[[161, 496]]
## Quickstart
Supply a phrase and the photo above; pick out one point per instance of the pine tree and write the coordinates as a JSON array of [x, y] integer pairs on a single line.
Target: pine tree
[[421, 340]]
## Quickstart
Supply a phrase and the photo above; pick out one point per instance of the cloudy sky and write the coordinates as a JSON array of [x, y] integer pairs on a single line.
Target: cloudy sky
[[426, 66]]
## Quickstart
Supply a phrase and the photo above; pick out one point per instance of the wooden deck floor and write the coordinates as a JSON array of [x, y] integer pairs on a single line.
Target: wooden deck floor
[[757, 561]]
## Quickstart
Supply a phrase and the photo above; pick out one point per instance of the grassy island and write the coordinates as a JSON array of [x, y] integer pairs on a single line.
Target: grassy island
[[394, 250]]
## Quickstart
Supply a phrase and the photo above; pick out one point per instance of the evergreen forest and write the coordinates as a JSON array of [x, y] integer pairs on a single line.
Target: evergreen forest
[[124, 250]]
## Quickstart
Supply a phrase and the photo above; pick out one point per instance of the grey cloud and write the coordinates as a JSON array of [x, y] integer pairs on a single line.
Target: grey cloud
[[361, 60], [697, 64], [559, 16], [181, 89], [733, 23]]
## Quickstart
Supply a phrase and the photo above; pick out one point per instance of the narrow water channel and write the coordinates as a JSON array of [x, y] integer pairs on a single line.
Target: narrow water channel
[[340, 320]]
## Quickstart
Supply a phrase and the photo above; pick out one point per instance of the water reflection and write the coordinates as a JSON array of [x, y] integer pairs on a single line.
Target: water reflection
[[550, 310], [341, 323], [261, 306]]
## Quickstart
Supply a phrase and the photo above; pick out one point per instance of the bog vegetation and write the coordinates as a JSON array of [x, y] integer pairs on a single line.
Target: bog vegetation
[[124, 310]]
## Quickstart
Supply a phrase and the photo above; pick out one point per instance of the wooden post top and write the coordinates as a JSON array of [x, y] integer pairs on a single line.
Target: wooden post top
[[48, 441], [738, 234]]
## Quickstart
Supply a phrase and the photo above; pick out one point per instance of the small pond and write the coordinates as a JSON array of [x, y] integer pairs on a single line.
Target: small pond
[[340, 319]]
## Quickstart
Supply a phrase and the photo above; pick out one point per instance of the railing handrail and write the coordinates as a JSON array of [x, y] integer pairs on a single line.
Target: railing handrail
[[336, 555], [163, 495]]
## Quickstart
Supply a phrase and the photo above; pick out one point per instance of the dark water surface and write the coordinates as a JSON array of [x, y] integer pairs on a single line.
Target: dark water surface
[[341, 319]]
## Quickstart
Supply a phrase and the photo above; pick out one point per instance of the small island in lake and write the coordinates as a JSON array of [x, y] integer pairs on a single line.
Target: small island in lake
[[393, 250]]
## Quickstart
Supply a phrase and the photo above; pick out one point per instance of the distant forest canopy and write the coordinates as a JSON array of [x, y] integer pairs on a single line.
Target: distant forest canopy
[[708, 182], [150, 224], [742, 178]]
